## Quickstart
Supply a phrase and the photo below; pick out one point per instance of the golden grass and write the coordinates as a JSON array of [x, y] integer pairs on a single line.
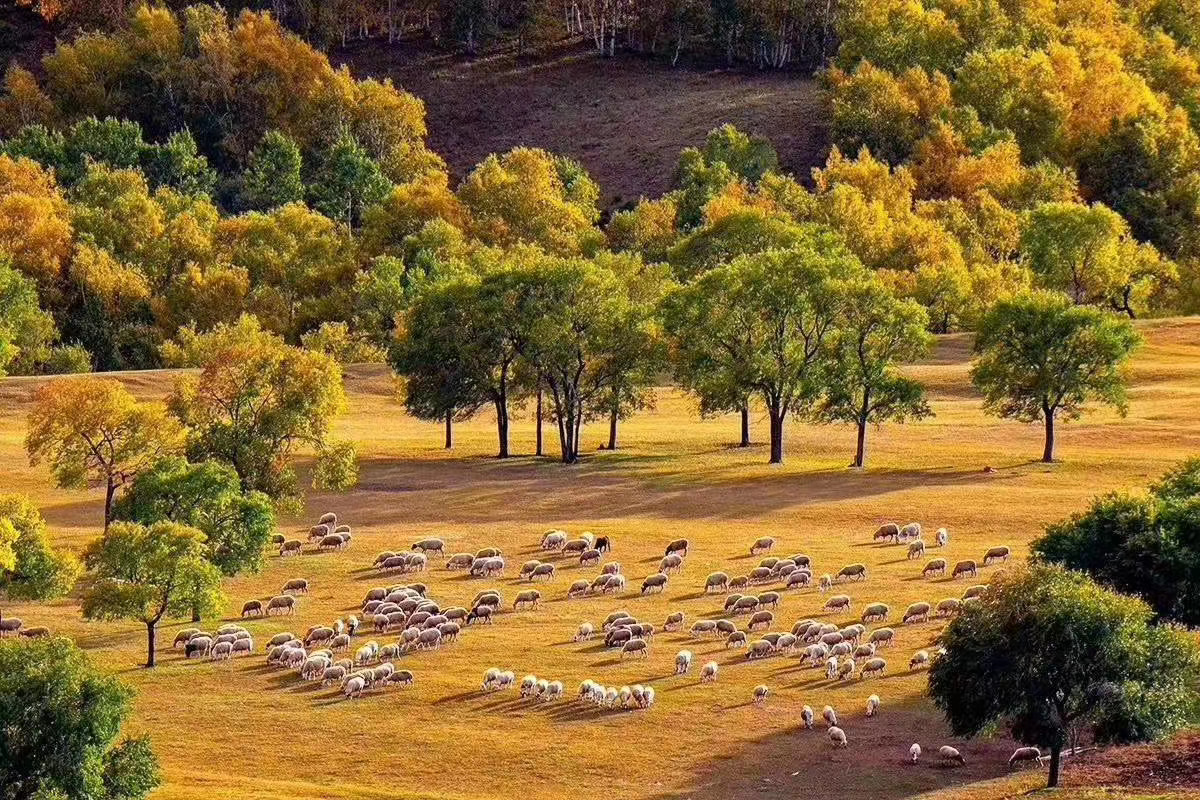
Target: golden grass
[[244, 730]]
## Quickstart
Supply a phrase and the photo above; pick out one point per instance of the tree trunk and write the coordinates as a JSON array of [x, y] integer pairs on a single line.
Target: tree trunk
[[1055, 765], [1048, 450], [109, 495], [195, 614], [745, 427], [776, 435], [151, 630], [860, 457], [612, 428], [539, 451], [502, 422]]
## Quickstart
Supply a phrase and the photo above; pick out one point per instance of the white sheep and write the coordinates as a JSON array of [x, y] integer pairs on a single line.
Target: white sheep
[[872, 705], [806, 714], [914, 752], [506, 680], [830, 716], [354, 686], [529, 685], [683, 662], [1024, 754], [647, 696], [585, 632], [760, 694], [919, 659], [554, 691], [708, 673], [831, 667], [837, 736], [950, 755], [490, 679]]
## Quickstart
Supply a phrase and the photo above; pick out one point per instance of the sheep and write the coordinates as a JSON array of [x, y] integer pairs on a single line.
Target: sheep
[[554, 540], [576, 546], [449, 631], [318, 532], [527, 568], [830, 716], [603, 544], [708, 673], [935, 567], [679, 546], [611, 696], [916, 550], [704, 627], [528, 685], [910, 531], [942, 537], [455, 614], [963, 568], [769, 599], [252, 608], [919, 659], [769, 563], [430, 546], [761, 620], [846, 669], [542, 572], [716, 582], [866, 650], [760, 575], [333, 674], [674, 622], [654, 583], [617, 637], [760, 694], [284, 604], [831, 668], [882, 637], [221, 651], [837, 736], [276, 640], [527, 599], [277, 539], [995, 554], [917, 612], [887, 531], [589, 558], [340, 643], [614, 619], [577, 589], [611, 568], [297, 585], [1025, 754], [488, 597], [852, 572], [614, 584], [491, 679], [839, 602], [314, 667], [914, 753], [758, 649], [806, 716], [290, 548], [842, 649], [872, 705], [670, 564], [635, 647], [585, 632], [430, 639], [683, 662], [798, 577], [184, 635], [762, 545], [739, 582], [329, 519], [876, 612], [587, 689], [948, 607], [950, 755], [743, 603], [401, 677], [354, 686], [320, 633], [554, 691], [826, 583], [331, 542], [873, 668]]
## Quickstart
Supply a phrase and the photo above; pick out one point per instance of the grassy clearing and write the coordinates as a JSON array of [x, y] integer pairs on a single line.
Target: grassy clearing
[[220, 729]]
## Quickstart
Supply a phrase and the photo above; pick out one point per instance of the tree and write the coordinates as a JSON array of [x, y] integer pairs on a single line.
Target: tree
[[1042, 359], [26, 331], [876, 331], [1147, 546], [208, 497], [30, 569], [347, 181], [148, 572], [93, 429], [272, 177], [1053, 656], [763, 325], [62, 719], [255, 400]]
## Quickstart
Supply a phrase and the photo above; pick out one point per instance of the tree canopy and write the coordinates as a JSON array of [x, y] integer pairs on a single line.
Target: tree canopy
[[30, 569]]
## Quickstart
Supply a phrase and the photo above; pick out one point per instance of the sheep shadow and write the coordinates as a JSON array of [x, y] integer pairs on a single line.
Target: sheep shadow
[[461, 697]]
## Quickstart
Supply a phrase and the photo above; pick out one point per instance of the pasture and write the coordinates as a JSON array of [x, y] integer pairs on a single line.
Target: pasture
[[242, 728]]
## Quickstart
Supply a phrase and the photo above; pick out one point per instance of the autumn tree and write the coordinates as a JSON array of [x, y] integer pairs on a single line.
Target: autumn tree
[[146, 573], [93, 430], [30, 569], [1041, 359]]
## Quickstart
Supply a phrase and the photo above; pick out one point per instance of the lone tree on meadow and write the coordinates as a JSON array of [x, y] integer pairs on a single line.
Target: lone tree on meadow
[[150, 572], [93, 429], [1043, 359], [1055, 657], [877, 331]]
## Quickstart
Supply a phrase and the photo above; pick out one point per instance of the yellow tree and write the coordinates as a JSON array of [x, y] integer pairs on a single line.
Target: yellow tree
[[93, 430]]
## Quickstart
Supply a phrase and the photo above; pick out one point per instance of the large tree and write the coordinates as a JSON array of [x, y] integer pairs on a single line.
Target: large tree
[[255, 400], [1053, 656], [763, 325], [94, 429], [1040, 358], [146, 573], [876, 332], [30, 569], [62, 718]]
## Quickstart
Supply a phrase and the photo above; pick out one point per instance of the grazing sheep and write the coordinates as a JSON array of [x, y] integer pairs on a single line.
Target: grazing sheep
[[760, 575], [184, 635], [864, 650], [716, 582], [670, 564], [873, 668], [761, 620], [277, 539], [762, 545], [333, 674], [589, 558], [506, 680], [576, 546], [919, 659], [910, 531], [839, 602], [942, 537], [290, 548], [837, 736], [617, 637], [760, 694], [950, 755], [354, 686], [842, 649], [975, 591], [430, 546], [585, 632], [221, 651], [739, 582], [769, 563], [852, 572], [831, 668], [603, 544], [916, 550], [554, 691], [758, 649], [770, 599], [872, 705], [528, 567], [704, 627], [935, 567], [806, 716], [674, 622], [965, 568], [297, 585], [401, 677], [830, 716], [430, 639], [876, 612], [889, 531], [1025, 754], [744, 603], [882, 637], [329, 519], [846, 669], [826, 583], [914, 753], [995, 554], [252, 608], [654, 584], [725, 626], [318, 532], [948, 607], [340, 643], [614, 584], [554, 540], [679, 546], [635, 647], [917, 612], [798, 577], [527, 599], [529, 686], [683, 662], [611, 568], [708, 673], [577, 589], [282, 604]]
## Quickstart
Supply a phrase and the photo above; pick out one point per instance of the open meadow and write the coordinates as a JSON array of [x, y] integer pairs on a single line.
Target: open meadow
[[242, 728]]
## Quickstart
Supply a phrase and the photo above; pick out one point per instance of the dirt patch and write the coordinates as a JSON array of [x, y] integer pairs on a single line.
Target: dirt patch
[[1173, 765], [625, 118]]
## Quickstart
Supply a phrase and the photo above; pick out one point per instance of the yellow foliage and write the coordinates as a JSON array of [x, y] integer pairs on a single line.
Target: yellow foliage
[[35, 225]]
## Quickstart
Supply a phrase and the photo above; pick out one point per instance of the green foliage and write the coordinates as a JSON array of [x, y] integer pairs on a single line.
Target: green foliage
[[742, 232], [336, 340], [208, 497], [26, 331], [1052, 655], [30, 569], [62, 719], [1042, 359], [273, 174], [347, 181], [1145, 546]]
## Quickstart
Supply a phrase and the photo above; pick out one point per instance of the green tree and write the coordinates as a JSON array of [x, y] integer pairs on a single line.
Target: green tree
[[763, 325], [178, 164], [1054, 656], [30, 569], [207, 496], [347, 181], [876, 332], [273, 174], [1148, 546], [145, 573], [62, 719], [1042, 359], [26, 331]]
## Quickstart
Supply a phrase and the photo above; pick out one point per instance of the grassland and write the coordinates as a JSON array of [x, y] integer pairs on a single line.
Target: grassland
[[245, 730]]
